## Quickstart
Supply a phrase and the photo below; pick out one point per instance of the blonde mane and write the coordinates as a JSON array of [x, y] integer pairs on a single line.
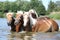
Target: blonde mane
[[33, 11], [19, 12], [9, 13]]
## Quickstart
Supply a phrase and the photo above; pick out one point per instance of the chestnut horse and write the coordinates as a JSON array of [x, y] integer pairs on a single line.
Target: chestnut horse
[[10, 21], [26, 20], [19, 21], [43, 24]]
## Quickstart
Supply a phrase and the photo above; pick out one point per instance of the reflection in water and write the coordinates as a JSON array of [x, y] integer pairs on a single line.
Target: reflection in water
[[19, 36], [47, 36], [14, 36], [6, 34]]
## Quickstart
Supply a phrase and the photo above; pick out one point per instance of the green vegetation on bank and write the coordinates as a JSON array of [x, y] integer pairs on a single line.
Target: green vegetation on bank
[[17, 5], [1, 15], [55, 16]]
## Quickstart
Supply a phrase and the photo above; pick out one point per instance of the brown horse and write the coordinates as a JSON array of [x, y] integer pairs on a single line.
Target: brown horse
[[19, 21], [45, 24], [42, 24], [11, 21], [26, 20]]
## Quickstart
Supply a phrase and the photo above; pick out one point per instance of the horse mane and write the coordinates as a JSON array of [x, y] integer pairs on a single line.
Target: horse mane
[[9, 13], [33, 15], [19, 12], [43, 18]]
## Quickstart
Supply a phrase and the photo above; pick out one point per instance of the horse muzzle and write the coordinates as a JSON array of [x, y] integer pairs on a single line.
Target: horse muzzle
[[16, 22], [9, 24]]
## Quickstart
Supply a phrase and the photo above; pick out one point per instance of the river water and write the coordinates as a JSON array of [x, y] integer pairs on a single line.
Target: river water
[[6, 34]]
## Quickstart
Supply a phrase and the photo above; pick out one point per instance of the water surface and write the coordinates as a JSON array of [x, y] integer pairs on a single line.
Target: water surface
[[6, 34]]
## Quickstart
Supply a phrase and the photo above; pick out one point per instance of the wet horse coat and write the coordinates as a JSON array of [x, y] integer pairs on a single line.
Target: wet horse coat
[[45, 25]]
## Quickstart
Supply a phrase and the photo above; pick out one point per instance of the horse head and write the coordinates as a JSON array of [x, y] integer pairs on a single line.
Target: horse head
[[10, 18], [26, 23], [19, 17], [19, 20], [25, 18], [11, 21]]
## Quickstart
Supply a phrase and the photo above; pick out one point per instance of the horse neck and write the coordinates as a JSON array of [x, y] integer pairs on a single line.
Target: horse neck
[[13, 20], [12, 25]]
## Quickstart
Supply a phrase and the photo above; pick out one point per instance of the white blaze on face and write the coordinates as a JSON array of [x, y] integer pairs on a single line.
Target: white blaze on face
[[25, 22], [25, 19]]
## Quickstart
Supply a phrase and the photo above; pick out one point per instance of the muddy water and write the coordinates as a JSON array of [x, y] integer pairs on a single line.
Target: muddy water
[[6, 34]]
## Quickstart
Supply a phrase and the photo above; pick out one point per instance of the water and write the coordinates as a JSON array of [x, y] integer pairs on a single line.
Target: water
[[6, 34]]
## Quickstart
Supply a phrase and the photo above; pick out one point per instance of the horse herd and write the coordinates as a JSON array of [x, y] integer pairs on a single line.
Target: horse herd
[[30, 22]]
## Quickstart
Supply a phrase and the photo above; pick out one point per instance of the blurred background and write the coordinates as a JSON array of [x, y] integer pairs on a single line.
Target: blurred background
[[50, 8]]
